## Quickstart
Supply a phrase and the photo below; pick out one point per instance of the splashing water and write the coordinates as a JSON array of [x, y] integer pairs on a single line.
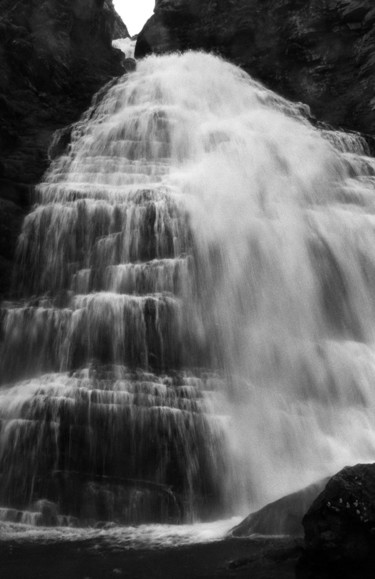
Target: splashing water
[[120, 538], [126, 45], [209, 257]]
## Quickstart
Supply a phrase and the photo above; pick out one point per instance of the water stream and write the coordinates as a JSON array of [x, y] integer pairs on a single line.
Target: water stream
[[193, 332]]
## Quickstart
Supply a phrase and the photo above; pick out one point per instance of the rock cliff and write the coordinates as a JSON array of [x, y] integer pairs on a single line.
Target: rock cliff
[[54, 55], [320, 52]]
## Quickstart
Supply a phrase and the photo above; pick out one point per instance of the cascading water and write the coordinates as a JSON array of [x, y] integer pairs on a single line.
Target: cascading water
[[194, 328]]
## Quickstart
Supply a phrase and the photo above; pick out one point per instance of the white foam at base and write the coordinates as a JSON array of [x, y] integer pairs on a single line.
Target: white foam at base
[[141, 537]]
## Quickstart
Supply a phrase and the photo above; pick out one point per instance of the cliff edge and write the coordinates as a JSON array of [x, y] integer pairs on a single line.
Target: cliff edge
[[320, 52]]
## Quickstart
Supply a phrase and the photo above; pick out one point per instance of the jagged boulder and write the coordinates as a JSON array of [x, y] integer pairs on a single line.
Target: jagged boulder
[[320, 52], [340, 525], [54, 56]]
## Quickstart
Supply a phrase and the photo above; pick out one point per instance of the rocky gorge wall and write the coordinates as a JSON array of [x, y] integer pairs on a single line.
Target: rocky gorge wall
[[54, 56], [320, 52]]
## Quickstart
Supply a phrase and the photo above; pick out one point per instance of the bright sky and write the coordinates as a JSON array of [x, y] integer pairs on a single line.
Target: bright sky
[[134, 13]]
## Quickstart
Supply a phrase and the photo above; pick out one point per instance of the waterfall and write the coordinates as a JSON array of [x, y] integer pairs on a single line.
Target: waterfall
[[126, 45], [193, 327]]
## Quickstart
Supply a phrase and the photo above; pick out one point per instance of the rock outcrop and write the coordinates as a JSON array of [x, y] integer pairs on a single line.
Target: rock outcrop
[[281, 517], [321, 52], [54, 55], [340, 525]]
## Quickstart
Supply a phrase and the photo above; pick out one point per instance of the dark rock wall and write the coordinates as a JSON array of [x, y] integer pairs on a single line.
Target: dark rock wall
[[54, 55], [320, 52]]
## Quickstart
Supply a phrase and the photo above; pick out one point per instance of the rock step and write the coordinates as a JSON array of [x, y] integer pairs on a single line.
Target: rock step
[[131, 149], [59, 240], [55, 426], [107, 164], [67, 193], [71, 193], [139, 331], [358, 165], [88, 176], [159, 275], [358, 191], [347, 142]]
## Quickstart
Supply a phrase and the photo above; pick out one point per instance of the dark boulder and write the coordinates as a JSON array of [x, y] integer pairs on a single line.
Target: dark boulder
[[54, 56], [130, 64], [319, 52], [281, 517], [340, 526]]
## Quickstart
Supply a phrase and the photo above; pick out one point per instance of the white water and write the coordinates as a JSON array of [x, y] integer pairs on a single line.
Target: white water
[[140, 537], [261, 267], [126, 45]]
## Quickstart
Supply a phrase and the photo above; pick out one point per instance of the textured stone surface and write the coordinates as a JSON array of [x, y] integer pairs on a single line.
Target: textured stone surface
[[282, 517], [340, 524], [54, 55], [320, 52]]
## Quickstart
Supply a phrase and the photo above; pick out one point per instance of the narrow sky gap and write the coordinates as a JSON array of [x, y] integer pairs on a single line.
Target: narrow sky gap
[[134, 13]]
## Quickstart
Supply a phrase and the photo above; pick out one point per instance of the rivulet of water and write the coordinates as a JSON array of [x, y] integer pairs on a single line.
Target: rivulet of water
[[194, 327]]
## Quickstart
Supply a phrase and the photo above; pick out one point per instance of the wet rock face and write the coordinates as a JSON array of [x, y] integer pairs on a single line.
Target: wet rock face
[[281, 517], [54, 55], [321, 52], [340, 524]]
